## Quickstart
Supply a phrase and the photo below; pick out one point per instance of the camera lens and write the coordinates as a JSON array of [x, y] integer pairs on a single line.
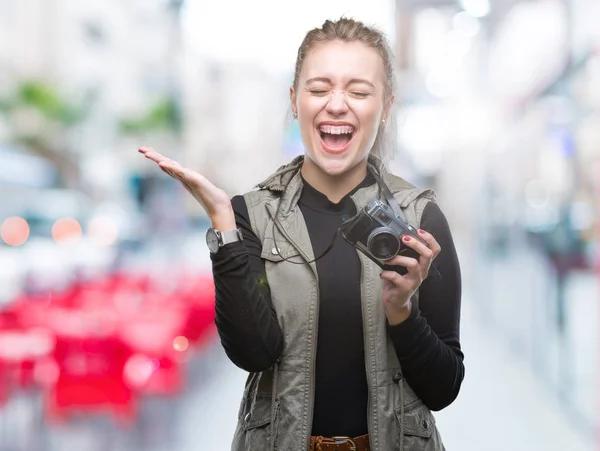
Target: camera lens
[[383, 244]]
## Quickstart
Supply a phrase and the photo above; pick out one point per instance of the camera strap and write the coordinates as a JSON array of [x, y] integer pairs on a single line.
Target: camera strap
[[389, 197]]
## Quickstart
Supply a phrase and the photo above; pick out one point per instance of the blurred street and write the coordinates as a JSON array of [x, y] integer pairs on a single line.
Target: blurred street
[[505, 402], [107, 336]]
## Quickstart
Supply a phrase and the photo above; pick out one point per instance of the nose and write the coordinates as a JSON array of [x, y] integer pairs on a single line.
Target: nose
[[337, 104]]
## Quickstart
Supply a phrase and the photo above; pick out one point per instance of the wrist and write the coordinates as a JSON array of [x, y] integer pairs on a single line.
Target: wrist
[[398, 315], [223, 219]]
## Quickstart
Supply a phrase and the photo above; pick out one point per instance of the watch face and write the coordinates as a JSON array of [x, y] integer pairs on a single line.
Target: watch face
[[212, 240]]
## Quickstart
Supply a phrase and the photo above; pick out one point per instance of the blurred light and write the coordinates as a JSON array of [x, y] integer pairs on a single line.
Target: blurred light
[[465, 24], [139, 369], [46, 372], [201, 22], [476, 8], [20, 168], [537, 194], [440, 52], [437, 85], [180, 344], [425, 148], [541, 219], [103, 231], [14, 231], [458, 45], [430, 33], [567, 142], [41, 341], [470, 124], [582, 215], [66, 229], [529, 49], [416, 134]]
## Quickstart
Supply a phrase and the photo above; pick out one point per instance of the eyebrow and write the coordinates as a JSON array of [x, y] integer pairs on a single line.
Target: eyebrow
[[351, 81]]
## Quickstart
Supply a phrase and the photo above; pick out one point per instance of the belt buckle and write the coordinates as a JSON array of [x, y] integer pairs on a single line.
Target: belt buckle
[[341, 440]]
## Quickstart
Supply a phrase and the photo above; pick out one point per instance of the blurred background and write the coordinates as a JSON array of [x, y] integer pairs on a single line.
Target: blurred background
[[107, 339]]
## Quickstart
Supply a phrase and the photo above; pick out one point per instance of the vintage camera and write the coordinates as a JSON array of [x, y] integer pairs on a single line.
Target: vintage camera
[[377, 232]]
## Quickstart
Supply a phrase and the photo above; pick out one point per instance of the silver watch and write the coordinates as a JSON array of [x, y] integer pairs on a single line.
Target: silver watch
[[216, 239]]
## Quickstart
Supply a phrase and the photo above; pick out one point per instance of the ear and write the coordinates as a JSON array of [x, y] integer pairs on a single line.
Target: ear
[[387, 108], [293, 101]]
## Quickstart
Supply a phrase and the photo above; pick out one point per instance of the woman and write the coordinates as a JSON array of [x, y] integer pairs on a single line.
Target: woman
[[341, 355]]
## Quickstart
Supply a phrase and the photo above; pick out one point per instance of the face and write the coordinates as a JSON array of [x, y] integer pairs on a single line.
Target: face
[[340, 103]]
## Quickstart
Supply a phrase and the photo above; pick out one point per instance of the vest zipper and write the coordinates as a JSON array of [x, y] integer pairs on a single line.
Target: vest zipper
[[367, 348], [315, 330], [366, 342], [313, 364], [274, 406]]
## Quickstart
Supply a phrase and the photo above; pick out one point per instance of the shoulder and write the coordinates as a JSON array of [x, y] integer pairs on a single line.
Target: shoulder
[[406, 193], [413, 200], [273, 186], [434, 218], [238, 203], [258, 197]]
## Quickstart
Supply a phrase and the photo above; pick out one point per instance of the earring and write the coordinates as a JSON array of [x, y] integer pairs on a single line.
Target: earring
[[383, 121]]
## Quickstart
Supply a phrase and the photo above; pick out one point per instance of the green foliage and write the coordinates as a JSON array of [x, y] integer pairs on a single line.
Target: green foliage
[[46, 99], [163, 116]]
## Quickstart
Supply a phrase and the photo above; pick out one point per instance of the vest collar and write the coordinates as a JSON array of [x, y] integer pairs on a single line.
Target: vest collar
[[286, 173], [288, 181]]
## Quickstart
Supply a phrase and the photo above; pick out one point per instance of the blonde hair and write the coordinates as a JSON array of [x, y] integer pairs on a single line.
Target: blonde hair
[[350, 30]]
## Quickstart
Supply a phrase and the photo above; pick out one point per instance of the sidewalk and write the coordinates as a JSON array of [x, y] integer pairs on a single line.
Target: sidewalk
[[502, 407]]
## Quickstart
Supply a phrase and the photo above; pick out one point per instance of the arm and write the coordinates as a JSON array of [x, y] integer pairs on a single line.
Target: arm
[[245, 317], [428, 342]]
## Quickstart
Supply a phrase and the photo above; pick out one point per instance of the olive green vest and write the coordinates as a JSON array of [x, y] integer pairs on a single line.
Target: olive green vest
[[277, 404]]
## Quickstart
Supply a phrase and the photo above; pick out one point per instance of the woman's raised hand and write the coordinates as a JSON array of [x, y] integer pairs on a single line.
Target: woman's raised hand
[[214, 200]]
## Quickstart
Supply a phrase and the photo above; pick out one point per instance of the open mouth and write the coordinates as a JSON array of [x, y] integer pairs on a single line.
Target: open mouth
[[336, 138]]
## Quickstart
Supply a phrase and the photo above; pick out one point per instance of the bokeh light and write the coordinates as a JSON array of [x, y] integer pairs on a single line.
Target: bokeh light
[[181, 344], [103, 231], [139, 369], [14, 231], [46, 372], [66, 229]]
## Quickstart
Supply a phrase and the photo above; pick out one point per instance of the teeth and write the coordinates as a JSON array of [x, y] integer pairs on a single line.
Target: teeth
[[337, 129]]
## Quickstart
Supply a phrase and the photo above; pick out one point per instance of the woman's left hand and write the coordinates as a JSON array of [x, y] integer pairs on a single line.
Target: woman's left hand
[[398, 289]]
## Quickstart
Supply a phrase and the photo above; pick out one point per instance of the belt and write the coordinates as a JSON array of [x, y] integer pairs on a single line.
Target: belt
[[340, 443]]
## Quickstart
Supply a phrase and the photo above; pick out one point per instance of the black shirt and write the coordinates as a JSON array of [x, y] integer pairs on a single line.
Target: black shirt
[[427, 343]]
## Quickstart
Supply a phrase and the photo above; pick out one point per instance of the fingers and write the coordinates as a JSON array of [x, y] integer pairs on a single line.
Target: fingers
[[391, 276], [407, 262], [422, 249], [431, 242], [403, 282], [179, 173], [417, 270], [191, 180], [428, 250], [152, 154], [170, 167]]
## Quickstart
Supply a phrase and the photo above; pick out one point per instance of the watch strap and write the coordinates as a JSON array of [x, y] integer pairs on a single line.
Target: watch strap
[[230, 236]]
